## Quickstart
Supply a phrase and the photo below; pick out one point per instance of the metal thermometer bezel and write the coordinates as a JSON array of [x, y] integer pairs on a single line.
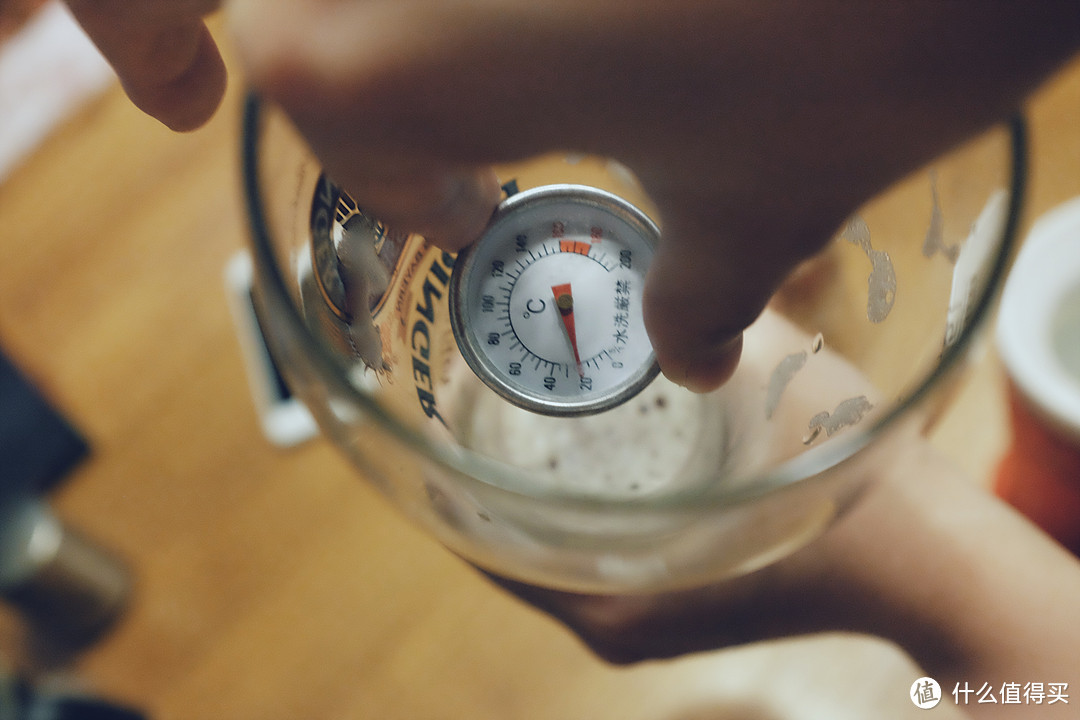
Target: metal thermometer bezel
[[461, 322]]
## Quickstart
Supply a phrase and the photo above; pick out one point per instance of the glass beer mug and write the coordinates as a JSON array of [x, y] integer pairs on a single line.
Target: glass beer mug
[[507, 401]]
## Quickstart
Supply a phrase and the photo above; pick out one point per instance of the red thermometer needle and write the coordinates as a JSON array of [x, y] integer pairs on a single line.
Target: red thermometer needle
[[564, 300]]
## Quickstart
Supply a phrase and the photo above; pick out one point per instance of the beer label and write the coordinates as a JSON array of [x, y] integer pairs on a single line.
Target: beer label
[[378, 295]]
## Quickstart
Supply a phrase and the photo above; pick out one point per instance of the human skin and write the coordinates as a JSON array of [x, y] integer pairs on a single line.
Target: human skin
[[756, 128], [966, 586], [163, 54]]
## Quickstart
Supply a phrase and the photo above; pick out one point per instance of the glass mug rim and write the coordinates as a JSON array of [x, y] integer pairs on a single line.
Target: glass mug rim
[[474, 467]]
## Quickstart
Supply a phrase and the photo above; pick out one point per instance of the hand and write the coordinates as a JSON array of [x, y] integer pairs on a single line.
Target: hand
[[757, 128], [927, 560], [162, 52]]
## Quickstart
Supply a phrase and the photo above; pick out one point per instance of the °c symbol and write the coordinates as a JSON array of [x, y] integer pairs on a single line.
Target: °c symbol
[[529, 309]]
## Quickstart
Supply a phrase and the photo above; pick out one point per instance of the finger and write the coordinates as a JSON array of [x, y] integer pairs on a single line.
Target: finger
[[617, 628], [451, 208], [696, 306], [711, 278], [164, 55], [369, 136], [626, 629]]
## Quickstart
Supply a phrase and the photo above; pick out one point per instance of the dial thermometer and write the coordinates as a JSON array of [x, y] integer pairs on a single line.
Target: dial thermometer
[[546, 305]]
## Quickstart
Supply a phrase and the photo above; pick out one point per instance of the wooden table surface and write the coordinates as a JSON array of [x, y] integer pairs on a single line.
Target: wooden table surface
[[274, 583]]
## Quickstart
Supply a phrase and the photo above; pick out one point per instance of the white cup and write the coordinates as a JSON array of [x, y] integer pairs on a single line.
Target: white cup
[[1038, 339]]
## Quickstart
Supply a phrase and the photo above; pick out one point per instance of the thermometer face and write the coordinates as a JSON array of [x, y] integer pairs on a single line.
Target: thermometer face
[[546, 305]]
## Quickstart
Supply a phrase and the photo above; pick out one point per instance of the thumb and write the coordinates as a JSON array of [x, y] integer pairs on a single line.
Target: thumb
[[365, 112], [707, 283]]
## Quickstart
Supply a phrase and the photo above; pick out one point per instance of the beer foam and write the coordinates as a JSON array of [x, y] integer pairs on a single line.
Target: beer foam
[[650, 444]]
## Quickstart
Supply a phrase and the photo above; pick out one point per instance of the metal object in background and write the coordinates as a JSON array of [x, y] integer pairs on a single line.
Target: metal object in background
[[68, 587]]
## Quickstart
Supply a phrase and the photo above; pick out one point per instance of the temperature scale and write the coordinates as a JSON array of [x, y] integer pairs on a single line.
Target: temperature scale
[[546, 305]]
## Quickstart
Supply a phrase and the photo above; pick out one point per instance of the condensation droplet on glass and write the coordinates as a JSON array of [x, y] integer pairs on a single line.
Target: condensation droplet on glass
[[934, 242], [857, 232], [881, 285], [781, 376], [849, 412]]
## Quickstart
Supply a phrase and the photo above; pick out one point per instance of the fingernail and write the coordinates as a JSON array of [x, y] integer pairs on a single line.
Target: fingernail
[[710, 369]]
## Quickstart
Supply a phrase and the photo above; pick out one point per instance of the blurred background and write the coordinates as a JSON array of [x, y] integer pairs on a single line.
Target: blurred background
[[270, 582]]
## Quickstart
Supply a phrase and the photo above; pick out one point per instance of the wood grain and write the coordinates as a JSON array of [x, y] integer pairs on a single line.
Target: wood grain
[[274, 583]]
